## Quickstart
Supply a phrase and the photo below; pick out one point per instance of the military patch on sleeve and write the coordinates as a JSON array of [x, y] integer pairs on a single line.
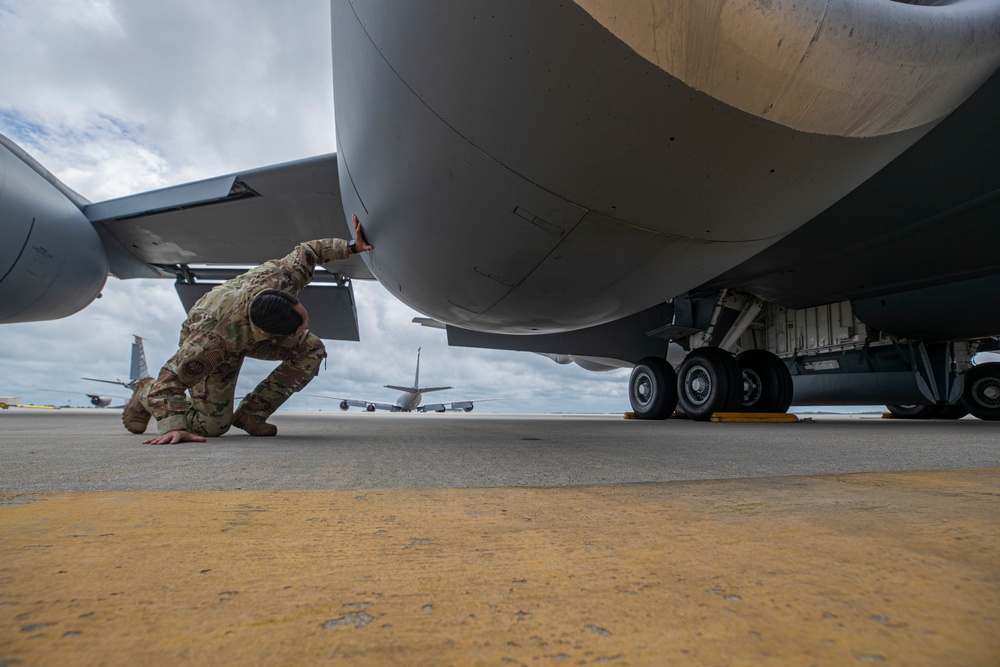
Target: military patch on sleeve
[[194, 368], [214, 358]]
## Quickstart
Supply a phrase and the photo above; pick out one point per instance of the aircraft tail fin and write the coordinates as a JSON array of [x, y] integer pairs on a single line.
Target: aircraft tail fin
[[416, 378], [138, 369]]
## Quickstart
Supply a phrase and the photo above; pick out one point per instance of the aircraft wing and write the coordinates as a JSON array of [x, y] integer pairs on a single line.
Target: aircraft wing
[[193, 232], [124, 384], [370, 406], [244, 218], [454, 406]]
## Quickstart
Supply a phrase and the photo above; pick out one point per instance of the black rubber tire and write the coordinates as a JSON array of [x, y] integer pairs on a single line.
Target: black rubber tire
[[766, 382], [956, 411], [652, 389], [709, 381], [982, 391], [915, 411]]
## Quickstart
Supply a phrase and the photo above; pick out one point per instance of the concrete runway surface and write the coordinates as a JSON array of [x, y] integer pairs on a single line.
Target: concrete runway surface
[[375, 539]]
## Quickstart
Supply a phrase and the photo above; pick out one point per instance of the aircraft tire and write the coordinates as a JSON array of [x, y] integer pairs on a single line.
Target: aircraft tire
[[982, 391], [652, 389], [767, 383], [709, 381], [915, 411], [956, 411]]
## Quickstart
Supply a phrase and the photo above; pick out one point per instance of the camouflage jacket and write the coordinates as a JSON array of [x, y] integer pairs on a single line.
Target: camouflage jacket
[[218, 329]]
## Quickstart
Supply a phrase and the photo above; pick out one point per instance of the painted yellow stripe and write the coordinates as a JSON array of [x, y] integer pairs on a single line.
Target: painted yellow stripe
[[754, 417], [740, 417], [895, 568]]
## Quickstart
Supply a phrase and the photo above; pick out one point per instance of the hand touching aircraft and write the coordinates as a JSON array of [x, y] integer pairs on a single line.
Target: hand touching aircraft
[[408, 401], [798, 199]]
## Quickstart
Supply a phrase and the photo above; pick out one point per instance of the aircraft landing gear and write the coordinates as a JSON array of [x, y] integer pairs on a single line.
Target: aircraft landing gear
[[982, 391], [914, 411], [652, 389], [767, 382], [709, 381], [956, 411]]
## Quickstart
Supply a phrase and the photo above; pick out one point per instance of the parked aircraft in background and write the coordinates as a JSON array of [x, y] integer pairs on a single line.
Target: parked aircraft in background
[[137, 371], [137, 366], [801, 197], [408, 401]]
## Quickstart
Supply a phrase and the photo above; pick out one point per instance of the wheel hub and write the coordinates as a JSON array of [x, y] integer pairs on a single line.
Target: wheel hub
[[643, 391], [698, 385], [987, 392], [753, 387]]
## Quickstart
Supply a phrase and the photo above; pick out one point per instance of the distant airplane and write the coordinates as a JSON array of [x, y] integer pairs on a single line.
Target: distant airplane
[[408, 401], [800, 200], [137, 371]]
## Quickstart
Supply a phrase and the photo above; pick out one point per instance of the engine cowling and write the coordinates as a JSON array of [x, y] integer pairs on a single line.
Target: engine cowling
[[370, 408], [344, 406], [99, 401], [52, 261]]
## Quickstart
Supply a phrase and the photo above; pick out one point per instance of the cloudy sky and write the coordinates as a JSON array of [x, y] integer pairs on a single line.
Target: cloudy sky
[[118, 97]]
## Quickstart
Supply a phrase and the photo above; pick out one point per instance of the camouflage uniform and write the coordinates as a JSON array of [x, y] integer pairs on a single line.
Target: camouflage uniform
[[217, 336]]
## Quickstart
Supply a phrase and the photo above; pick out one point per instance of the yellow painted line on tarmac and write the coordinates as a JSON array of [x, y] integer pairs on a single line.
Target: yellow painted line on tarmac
[[887, 568], [754, 417], [741, 417]]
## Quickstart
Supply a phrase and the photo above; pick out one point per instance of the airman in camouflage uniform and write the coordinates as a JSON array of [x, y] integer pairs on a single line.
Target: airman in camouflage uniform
[[215, 339]]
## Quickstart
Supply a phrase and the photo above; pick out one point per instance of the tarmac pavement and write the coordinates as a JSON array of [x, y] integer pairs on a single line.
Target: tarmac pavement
[[367, 539]]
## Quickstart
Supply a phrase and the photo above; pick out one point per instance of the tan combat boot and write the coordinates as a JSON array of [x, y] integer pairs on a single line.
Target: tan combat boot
[[135, 416], [254, 424]]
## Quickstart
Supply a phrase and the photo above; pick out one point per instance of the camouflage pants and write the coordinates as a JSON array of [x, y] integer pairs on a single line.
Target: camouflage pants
[[211, 401]]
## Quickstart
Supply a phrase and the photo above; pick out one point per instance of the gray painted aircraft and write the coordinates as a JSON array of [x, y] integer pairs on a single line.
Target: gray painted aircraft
[[137, 366], [789, 201], [137, 371], [408, 401]]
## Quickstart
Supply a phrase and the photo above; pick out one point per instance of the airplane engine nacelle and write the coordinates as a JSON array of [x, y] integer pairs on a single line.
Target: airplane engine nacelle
[[344, 406], [99, 401], [52, 261], [468, 409], [370, 408]]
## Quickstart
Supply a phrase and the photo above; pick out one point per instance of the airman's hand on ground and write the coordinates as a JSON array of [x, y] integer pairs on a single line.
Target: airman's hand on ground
[[174, 438], [360, 243]]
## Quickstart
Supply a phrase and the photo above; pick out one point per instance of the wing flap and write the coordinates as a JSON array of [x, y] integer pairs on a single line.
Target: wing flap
[[244, 218], [333, 314]]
